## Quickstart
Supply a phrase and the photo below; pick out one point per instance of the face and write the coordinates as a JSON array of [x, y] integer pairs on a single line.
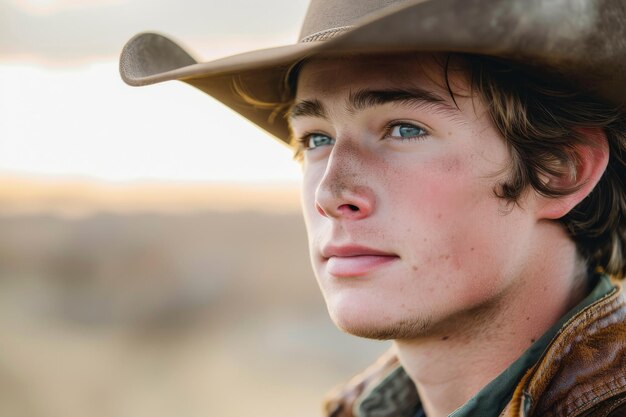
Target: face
[[405, 232]]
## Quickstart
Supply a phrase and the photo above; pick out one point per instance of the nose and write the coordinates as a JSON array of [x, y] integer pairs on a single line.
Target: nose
[[344, 192]]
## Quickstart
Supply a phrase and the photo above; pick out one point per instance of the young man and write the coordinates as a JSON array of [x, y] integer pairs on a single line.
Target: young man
[[464, 168]]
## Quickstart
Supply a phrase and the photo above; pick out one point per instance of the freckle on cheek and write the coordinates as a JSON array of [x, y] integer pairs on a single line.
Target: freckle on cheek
[[452, 165]]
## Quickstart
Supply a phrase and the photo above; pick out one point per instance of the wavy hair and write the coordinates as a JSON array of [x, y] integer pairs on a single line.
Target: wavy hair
[[541, 119]]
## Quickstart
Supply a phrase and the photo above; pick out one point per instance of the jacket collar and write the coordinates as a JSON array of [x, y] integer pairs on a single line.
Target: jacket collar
[[584, 365]]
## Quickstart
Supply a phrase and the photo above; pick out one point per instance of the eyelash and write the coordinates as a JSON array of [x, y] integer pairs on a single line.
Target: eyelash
[[396, 123], [303, 141]]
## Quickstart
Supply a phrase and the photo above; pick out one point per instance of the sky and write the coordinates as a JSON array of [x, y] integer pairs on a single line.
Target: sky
[[64, 111]]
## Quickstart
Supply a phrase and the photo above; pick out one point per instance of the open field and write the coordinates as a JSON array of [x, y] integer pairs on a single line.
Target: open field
[[140, 309]]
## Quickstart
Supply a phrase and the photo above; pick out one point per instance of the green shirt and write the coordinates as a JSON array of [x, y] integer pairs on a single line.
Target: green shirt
[[491, 400]]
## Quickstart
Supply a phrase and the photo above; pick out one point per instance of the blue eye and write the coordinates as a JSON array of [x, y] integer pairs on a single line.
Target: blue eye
[[316, 140], [407, 131]]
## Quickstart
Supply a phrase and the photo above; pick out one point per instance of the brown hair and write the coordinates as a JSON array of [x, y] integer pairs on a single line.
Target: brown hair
[[541, 118]]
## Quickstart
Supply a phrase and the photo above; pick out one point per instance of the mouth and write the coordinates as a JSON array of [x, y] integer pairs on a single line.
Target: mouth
[[355, 261]]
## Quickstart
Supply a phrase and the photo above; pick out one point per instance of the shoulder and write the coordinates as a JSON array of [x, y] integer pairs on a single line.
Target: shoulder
[[615, 407], [383, 389], [583, 371]]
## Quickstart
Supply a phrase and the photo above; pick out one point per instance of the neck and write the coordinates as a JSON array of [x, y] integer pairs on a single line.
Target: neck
[[454, 361]]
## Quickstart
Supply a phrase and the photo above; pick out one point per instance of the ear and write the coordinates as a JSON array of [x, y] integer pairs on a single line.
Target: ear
[[589, 161]]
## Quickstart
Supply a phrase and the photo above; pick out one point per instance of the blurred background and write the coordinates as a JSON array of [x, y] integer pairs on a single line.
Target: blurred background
[[153, 260]]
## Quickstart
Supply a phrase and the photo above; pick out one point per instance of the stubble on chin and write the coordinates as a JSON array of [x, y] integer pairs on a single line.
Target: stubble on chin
[[405, 329]]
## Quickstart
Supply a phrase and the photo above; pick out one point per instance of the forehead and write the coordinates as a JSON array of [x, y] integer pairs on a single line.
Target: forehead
[[328, 76]]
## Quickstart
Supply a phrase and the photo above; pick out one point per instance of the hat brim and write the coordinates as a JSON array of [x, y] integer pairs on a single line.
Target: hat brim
[[151, 58], [580, 41]]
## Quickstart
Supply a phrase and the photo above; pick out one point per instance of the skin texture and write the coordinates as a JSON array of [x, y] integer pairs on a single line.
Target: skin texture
[[427, 201], [407, 238]]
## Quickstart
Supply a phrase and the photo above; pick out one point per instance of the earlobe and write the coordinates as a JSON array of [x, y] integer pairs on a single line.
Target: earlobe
[[589, 160]]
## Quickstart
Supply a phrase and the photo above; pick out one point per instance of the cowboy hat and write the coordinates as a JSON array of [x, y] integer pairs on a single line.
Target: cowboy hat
[[584, 41]]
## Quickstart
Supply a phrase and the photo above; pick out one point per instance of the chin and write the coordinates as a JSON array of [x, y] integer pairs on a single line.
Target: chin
[[379, 326]]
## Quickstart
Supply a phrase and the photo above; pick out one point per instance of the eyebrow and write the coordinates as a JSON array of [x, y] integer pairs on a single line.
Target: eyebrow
[[307, 108], [364, 99]]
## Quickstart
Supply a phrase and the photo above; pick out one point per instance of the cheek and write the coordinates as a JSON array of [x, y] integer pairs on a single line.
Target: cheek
[[440, 189], [448, 213], [459, 231]]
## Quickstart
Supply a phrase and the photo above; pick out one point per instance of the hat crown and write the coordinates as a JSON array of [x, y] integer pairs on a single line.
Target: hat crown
[[326, 18]]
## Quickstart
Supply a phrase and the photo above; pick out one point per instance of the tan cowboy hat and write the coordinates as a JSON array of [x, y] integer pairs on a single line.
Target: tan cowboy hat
[[584, 41]]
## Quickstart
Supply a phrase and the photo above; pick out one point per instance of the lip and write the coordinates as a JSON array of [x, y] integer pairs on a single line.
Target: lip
[[354, 260]]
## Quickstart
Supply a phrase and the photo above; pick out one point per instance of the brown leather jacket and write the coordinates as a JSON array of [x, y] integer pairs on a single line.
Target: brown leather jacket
[[582, 373]]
